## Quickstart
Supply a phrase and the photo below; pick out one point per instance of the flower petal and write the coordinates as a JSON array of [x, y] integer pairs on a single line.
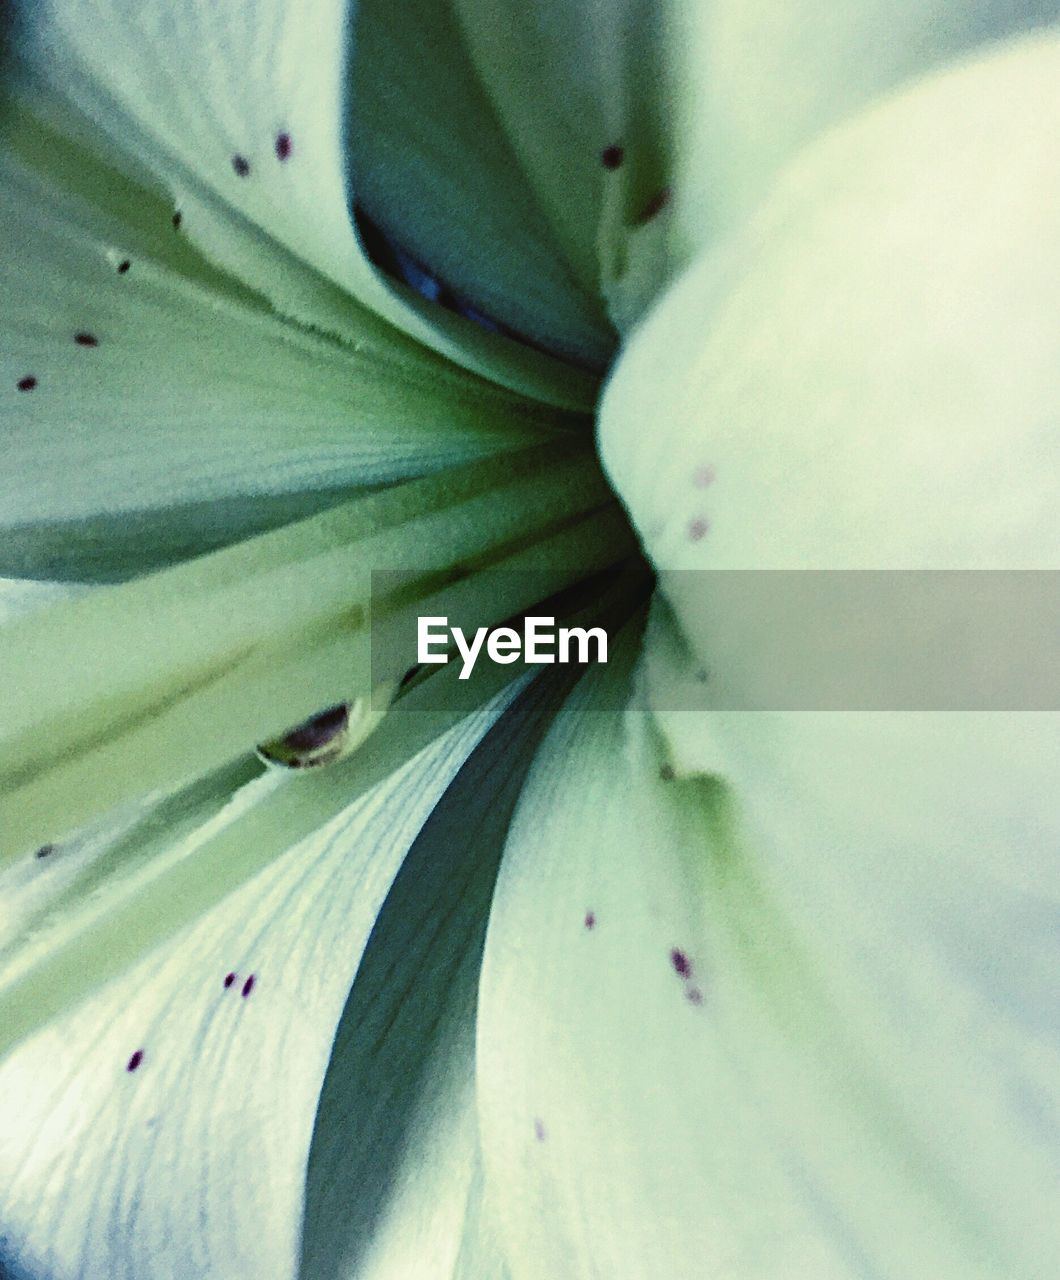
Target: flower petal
[[796, 1021], [242, 116], [433, 166], [864, 917], [185, 1093], [581, 91], [866, 377], [394, 1185], [170, 409], [752, 83]]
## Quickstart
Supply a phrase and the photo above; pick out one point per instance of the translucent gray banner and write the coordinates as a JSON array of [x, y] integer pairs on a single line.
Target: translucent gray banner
[[872, 640]]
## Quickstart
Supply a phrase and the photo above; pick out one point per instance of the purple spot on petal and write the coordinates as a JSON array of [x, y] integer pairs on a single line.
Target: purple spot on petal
[[229, 979], [86, 339], [697, 529], [681, 963], [248, 986], [539, 1130], [590, 919], [694, 995], [135, 1060], [317, 741], [704, 477], [284, 146], [611, 157], [124, 266], [27, 383], [240, 166]]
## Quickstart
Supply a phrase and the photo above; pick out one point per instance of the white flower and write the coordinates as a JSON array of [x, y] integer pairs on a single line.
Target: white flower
[[589, 984]]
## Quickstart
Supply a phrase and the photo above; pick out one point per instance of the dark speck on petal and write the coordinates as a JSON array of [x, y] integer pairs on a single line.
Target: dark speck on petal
[[124, 266], [283, 146], [229, 979], [612, 157], [316, 741], [27, 383], [86, 339], [590, 919], [681, 963], [539, 1130], [241, 166], [45, 851], [248, 986], [135, 1060], [666, 773], [178, 218]]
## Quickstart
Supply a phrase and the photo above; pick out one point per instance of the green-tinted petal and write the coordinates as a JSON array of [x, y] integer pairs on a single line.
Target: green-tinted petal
[[187, 1161], [433, 166], [539, 69], [183, 670], [752, 82], [242, 116], [867, 376], [171, 409], [582, 93], [99, 915], [619, 1134], [394, 1186], [794, 1021]]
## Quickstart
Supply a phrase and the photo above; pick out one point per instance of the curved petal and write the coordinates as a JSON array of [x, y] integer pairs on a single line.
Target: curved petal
[[867, 376], [394, 1185], [152, 407], [582, 92], [751, 83], [241, 114], [433, 166], [185, 1092], [796, 1021]]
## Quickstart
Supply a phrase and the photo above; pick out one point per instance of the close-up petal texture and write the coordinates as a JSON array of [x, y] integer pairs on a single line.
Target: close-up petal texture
[[334, 947]]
